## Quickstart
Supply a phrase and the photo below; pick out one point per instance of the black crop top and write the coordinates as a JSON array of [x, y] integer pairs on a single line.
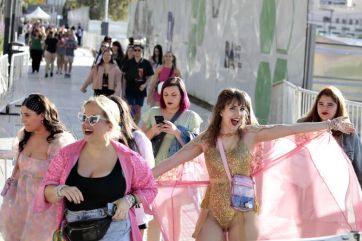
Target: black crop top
[[99, 191]]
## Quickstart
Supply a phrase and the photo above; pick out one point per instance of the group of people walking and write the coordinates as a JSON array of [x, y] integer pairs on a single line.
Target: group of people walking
[[52, 44], [101, 186]]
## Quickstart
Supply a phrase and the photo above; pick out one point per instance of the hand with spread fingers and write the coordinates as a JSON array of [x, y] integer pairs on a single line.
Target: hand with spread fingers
[[342, 124]]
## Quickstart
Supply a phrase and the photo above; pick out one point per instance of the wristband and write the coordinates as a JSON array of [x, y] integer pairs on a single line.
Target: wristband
[[131, 200], [58, 190]]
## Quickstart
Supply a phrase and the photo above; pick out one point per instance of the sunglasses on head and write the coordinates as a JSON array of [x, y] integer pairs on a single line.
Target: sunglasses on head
[[91, 119]]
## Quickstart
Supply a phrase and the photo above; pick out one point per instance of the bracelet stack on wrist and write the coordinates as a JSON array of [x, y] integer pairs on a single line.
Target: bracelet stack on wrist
[[131, 199], [58, 190]]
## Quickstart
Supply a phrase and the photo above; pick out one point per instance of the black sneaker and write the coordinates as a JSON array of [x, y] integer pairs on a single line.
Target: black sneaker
[[46, 75], [51, 74]]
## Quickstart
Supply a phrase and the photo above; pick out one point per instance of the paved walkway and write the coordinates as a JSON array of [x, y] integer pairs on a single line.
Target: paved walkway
[[64, 92]]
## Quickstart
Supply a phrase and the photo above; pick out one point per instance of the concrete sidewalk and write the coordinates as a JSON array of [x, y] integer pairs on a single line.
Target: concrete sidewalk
[[65, 94]]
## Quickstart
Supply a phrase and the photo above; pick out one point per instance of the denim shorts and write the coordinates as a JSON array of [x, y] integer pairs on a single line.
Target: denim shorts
[[135, 100], [120, 230]]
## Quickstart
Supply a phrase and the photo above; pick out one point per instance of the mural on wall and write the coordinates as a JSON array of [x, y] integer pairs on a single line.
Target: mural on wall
[[232, 55], [215, 8], [250, 45], [170, 25], [276, 28], [197, 29]]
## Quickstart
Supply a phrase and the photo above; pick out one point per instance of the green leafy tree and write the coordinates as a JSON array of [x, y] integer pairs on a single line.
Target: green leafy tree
[[118, 9]]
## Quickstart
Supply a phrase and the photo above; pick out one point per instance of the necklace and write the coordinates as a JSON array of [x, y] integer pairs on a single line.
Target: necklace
[[228, 134]]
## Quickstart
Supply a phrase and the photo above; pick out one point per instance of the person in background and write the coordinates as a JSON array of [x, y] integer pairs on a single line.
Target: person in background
[[137, 73], [157, 57], [105, 77], [98, 55], [42, 136], [167, 70], [60, 53], [233, 126], [36, 50], [135, 139], [50, 49], [79, 34], [178, 127], [330, 104], [88, 176], [70, 47], [118, 55]]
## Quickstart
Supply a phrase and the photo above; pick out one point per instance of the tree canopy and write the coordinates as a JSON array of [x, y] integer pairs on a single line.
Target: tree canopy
[[118, 9]]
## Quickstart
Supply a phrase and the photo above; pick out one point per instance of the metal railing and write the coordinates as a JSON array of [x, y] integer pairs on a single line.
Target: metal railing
[[290, 102], [4, 77], [18, 67]]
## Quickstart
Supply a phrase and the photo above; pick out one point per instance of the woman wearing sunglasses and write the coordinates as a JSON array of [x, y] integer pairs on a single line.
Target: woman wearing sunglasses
[[88, 177], [42, 136]]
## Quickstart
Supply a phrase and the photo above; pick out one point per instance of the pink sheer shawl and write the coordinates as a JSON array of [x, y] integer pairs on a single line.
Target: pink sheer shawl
[[305, 185]]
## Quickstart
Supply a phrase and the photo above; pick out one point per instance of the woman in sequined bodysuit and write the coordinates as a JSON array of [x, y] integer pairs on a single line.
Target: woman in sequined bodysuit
[[233, 121]]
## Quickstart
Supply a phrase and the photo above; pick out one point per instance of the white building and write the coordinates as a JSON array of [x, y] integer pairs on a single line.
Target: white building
[[336, 18]]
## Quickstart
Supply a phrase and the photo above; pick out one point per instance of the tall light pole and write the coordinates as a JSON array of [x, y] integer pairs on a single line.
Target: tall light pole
[[106, 6], [105, 24]]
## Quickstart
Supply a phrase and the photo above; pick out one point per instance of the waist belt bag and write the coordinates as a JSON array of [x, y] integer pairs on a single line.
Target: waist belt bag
[[242, 187], [89, 230]]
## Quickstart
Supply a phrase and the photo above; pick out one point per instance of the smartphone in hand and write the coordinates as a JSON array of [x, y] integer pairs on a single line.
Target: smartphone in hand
[[159, 119]]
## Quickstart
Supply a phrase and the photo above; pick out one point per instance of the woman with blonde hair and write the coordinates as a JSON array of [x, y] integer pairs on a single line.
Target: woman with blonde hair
[[96, 182], [167, 70]]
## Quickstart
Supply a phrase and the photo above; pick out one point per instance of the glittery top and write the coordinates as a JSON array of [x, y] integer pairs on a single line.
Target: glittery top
[[217, 197]]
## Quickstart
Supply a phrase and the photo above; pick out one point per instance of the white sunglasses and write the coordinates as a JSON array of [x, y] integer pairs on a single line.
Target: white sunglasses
[[92, 119]]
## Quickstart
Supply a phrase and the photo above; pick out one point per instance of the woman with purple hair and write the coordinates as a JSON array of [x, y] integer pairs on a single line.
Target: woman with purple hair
[[169, 127]]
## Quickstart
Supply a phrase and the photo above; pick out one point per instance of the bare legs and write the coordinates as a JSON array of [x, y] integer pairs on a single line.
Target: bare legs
[[242, 228], [211, 230]]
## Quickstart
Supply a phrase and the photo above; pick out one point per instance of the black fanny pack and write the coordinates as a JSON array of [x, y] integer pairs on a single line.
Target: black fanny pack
[[89, 230]]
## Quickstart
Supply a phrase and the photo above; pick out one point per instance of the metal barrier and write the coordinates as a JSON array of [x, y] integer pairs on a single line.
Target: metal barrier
[[290, 102], [4, 77], [18, 67]]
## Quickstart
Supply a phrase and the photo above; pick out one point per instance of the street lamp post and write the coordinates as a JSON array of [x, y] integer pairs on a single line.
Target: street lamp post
[[105, 24]]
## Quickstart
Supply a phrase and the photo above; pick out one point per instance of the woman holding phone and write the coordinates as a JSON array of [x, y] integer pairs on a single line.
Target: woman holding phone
[[169, 127]]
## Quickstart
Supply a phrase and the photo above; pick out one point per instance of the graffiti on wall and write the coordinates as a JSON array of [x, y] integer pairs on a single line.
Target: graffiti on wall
[[232, 58]]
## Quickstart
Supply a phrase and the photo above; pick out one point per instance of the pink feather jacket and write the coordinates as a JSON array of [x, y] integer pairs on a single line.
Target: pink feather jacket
[[139, 179]]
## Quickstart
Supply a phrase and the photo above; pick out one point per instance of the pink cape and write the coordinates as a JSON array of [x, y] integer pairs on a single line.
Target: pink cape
[[305, 185]]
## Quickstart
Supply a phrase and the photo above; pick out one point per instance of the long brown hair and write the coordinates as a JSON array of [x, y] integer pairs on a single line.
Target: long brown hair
[[226, 97], [337, 98], [40, 104]]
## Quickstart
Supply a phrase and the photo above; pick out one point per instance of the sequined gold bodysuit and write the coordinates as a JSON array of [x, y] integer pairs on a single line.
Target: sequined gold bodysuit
[[217, 197]]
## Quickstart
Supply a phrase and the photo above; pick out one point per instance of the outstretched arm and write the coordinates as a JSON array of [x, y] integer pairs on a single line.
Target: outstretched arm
[[187, 153], [277, 131]]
